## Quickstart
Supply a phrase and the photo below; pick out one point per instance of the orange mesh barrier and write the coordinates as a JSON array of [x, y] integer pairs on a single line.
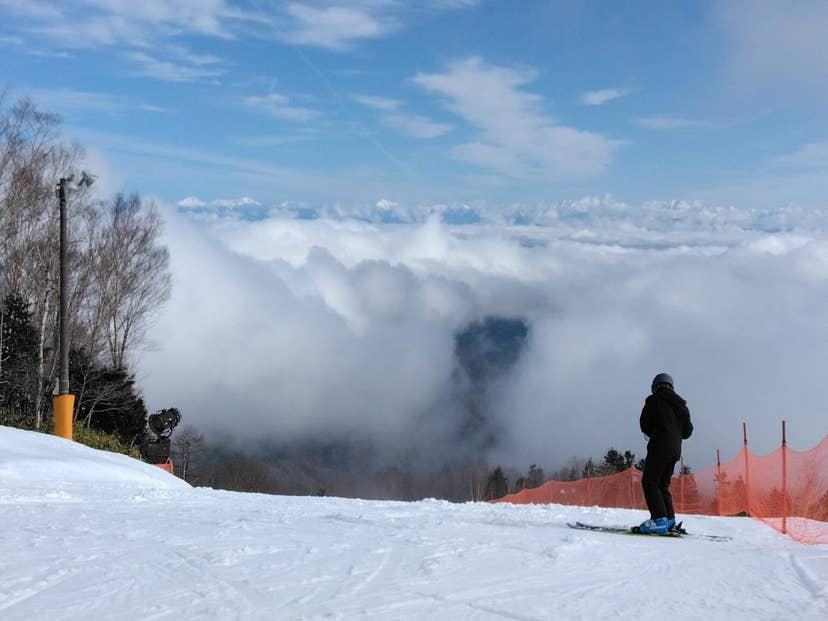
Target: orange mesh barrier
[[786, 489], [167, 465]]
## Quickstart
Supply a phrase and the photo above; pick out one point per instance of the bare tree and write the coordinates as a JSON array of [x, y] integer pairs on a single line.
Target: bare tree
[[32, 158], [188, 449], [118, 275], [132, 278]]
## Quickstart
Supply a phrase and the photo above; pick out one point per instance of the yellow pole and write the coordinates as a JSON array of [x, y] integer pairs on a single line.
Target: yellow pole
[[62, 406]]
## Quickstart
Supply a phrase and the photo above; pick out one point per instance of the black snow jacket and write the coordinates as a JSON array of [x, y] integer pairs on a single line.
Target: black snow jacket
[[665, 419]]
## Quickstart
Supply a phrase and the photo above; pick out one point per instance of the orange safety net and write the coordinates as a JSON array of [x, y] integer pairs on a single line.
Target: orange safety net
[[786, 489], [166, 465]]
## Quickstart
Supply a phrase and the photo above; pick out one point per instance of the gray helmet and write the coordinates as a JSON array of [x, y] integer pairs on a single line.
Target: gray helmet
[[663, 378]]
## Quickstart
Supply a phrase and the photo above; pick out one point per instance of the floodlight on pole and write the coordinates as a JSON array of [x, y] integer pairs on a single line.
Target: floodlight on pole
[[63, 402]]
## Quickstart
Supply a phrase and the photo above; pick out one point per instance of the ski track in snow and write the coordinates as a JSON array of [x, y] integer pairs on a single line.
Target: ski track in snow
[[107, 553], [129, 549]]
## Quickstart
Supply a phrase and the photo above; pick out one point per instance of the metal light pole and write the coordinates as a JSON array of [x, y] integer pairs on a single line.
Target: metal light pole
[[63, 403], [64, 319]]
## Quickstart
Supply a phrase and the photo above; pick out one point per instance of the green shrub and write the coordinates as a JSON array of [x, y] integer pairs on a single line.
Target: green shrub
[[103, 441], [80, 434]]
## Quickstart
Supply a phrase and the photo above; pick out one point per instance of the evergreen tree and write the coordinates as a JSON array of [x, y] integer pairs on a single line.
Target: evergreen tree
[[18, 360], [613, 462], [536, 476], [691, 495], [106, 398], [496, 485]]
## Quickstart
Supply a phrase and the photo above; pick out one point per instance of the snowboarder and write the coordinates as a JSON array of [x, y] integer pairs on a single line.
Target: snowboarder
[[665, 419]]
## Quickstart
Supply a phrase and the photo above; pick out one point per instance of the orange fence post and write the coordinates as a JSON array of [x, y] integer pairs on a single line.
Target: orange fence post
[[732, 489], [747, 468], [589, 488], [718, 483], [784, 481]]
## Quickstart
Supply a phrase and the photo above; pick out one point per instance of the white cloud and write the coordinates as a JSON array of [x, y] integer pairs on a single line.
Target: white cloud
[[279, 106], [143, 32], [811, 156], [454, 4], [667, 122], [191, 201], [244, 201], [337, 27], [414, 125], [517, 138], [195, 202], [274, 140], [207, 160], [172, 70], [70, 100], [90, 23], [379, 103], [771, 44], [598, 98], [321, 328], [35, 9]]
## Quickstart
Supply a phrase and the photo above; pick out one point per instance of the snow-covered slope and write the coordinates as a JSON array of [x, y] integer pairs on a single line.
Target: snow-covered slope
[[27, 457], [92, 535]]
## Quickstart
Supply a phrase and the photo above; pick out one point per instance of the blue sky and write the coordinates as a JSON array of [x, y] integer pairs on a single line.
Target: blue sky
[[672, 157], [448, 101]]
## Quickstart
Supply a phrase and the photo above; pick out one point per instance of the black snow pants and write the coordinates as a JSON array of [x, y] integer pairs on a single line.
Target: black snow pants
[[656, 483]]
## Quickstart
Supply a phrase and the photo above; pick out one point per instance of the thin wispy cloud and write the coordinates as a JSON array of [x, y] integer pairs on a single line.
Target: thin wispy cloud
[[337, 27], [49, 54], [63, 100], [91, 23], [517, 137], [393, 115], [144, 32], [416, 126], [206, 159], [280, 107], [275, 140], [812, 156], [340, 26], [599, 98], [454, 4], [378, 103], [169, 70], [668, 122]]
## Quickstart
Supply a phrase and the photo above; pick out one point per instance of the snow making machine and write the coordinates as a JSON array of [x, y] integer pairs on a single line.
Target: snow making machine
[[155, 443]]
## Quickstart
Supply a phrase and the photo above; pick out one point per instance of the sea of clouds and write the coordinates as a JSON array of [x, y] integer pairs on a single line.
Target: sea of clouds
[[298, 322]]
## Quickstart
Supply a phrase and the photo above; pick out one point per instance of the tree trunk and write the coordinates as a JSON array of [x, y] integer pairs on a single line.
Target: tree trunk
[[41, 338], [2, 323]]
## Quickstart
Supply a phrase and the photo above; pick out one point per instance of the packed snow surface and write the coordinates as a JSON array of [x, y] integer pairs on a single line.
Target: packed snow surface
[[91, 535]]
